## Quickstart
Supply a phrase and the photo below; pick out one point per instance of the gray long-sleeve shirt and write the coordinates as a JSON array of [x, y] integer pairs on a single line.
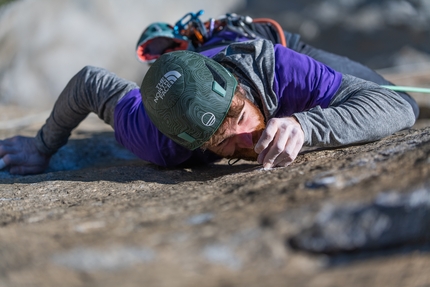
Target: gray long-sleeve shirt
[[359, 111]]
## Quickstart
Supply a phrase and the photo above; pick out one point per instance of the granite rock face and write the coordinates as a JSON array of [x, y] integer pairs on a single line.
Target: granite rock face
[[353, 216], [391, 220], [99, 217]]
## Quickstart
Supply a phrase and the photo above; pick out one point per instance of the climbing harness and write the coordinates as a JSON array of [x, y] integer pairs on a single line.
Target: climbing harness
[[191, 33], [229, 27]]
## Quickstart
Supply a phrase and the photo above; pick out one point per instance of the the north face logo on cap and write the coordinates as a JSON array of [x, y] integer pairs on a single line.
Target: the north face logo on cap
[[165, 83]]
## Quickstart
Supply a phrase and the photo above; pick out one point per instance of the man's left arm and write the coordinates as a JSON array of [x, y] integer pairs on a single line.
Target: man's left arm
[[359, 112]]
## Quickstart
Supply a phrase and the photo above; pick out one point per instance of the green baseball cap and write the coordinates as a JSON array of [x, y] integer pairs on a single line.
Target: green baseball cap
[[187, 96]]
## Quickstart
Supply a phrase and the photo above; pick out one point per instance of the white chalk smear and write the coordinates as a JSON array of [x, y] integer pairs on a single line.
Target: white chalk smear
[[2, 164]]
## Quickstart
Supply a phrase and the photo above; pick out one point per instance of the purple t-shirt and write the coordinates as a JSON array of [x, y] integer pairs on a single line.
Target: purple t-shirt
[[135, 131], [300, 83]]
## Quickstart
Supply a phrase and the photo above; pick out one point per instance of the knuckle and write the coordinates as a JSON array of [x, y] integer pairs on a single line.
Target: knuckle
[[288, 151], [294, 131], [273, 122], [278, 149], [270, 122], [265, 136]]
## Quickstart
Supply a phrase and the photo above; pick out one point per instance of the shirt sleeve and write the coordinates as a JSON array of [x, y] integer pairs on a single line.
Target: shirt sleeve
[[90, 90], [359, 112], [301, 82], [135, 131]]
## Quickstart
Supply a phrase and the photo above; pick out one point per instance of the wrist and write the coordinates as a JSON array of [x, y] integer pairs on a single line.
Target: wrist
[[40, 145], [301, 121]]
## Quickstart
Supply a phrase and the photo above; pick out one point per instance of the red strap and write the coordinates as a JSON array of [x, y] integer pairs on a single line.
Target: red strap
[[276, 25]]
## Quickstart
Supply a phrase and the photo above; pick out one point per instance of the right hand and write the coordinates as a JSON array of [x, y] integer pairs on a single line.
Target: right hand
[[280, 142], [22, 157]]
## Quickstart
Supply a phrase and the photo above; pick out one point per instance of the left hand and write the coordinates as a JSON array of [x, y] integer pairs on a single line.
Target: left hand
[[280, 142], [21, 155]]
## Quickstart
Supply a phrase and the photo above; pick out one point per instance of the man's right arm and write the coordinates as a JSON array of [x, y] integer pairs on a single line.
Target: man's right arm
[[100, 91], [90, 90]]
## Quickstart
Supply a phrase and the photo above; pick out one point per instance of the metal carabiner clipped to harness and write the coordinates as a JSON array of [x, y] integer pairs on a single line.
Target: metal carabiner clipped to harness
[[182, 23]]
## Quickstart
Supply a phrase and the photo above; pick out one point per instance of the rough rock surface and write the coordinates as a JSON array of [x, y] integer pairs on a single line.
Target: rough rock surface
[[101, 217]]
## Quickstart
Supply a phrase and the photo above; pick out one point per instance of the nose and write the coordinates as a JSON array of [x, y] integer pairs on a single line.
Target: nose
[[244, 140]]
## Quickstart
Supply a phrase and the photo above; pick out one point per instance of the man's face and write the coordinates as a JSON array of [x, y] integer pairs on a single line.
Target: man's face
[[240, 133]]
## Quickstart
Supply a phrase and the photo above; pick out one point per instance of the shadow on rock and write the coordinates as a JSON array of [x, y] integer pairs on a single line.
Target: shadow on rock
[[97, 157]]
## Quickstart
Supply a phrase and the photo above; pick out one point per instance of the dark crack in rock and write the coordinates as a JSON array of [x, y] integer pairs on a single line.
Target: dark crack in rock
[[390, 220]]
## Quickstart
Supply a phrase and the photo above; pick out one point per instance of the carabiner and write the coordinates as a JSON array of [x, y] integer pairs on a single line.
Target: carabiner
[[183, 22]]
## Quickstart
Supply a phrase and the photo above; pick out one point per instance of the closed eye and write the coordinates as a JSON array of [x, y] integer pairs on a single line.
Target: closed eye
[[221, 142], [242, 117]]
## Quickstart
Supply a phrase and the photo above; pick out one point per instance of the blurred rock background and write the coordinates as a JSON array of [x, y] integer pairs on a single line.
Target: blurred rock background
[[44, 43], [378, 33]]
